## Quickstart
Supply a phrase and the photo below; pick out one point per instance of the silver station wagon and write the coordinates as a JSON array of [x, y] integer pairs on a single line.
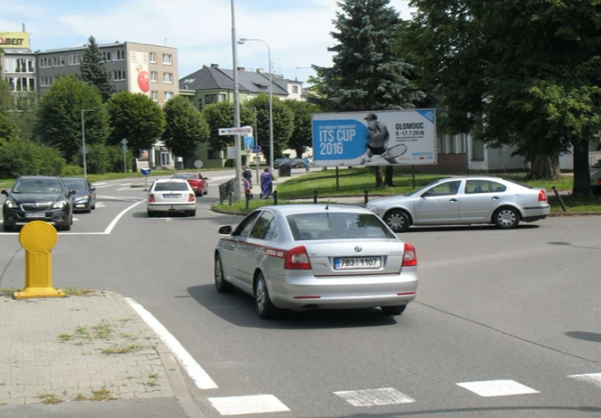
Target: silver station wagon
[[302, 257], [464, 201]]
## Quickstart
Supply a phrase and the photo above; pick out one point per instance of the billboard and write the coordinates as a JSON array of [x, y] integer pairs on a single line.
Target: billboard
[[370, 138], [139, 78], [14, 40]]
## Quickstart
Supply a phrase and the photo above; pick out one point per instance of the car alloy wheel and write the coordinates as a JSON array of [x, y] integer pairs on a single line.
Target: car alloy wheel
[[506, 218], [265, 308], [397, 220], [220, 283]]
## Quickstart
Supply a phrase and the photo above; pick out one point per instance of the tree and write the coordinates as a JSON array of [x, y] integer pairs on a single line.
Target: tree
[[283, 123], [93, 72], [137, 118], [301, 137], [59, 113], [25, 157], [367, 73], [221, 115], [535, 87], [185, 127]]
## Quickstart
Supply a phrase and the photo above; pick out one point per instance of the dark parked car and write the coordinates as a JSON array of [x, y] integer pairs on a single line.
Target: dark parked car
[[297, 163], [279, 161], [38, 198], [84, 198]]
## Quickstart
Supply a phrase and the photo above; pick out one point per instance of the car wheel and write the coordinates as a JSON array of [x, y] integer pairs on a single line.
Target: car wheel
[[220, 283], [150, 214], [397, 220], [94, 206], [7, 228], [506, 218], [66, 227], [393, 310], [265, 308], [192, 212]]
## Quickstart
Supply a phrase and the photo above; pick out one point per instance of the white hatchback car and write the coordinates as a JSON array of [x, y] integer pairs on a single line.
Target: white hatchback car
[[171, 195]]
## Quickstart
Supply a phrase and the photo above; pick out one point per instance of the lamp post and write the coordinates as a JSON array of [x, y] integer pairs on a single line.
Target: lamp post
[[83, 138], [237, 191], [256, 133], [241, 42]]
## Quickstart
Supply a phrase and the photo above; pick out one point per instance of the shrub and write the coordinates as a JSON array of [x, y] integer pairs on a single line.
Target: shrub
[[23, 157], [72, 171], [102, 159]]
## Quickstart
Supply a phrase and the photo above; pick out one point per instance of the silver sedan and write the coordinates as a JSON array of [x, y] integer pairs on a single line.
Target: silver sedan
[[302, 257], [464, 201]]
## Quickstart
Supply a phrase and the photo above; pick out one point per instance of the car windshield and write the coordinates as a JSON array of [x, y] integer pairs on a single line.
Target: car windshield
[[423, 189], [37, 186], [75, 184], [346, 225], [184, 176], [171, 186]]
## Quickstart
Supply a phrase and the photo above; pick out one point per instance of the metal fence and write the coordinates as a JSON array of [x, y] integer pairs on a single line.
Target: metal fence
[[226, 191]]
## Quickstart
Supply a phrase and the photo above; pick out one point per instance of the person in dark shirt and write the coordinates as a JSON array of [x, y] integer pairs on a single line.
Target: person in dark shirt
[[247, 174]]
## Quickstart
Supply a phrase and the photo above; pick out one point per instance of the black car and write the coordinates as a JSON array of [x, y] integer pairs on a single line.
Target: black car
[[280, 161], [84, 198], [38, 198], [297, 163]]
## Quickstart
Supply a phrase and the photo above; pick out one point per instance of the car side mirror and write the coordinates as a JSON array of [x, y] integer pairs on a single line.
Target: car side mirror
[[205, 178], [92, 189], [4, 192], [426, 194], [225, 230], [71, 192]]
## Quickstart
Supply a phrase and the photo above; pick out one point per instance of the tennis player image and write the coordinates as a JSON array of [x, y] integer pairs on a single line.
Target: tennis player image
[[377, 142]]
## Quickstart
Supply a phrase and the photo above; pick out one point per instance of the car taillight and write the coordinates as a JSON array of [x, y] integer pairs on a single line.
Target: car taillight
[[191, 197], [409, 256], [542, 196], [151, 198], [297, 259]]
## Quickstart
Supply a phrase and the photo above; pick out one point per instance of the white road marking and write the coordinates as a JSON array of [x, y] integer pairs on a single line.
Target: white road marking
[[200, 377], [112, 224], [492, 388], [594, 378], [255, 404], [373, 397], [99, 205]]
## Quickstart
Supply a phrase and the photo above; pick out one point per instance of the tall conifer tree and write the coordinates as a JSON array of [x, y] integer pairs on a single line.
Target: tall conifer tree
[[94, 73]]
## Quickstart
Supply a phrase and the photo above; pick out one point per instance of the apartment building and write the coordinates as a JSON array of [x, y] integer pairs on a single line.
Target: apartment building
[[19, 69], [134, 67]]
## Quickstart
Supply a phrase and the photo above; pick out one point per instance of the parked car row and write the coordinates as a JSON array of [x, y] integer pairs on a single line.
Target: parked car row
[[46, 198], [294, 162]]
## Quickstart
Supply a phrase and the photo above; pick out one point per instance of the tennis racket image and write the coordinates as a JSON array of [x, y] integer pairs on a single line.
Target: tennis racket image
[[393, 152]]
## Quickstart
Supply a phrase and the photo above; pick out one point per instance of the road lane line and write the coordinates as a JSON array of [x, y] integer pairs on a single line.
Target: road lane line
[[594, 378], [373, 397], [254, 404], [197, 373], [112, 224], [493, 388]]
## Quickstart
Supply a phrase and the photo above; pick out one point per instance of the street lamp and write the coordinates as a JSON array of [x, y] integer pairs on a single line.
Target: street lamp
[[237, 191], [83, 138], [241, 42]]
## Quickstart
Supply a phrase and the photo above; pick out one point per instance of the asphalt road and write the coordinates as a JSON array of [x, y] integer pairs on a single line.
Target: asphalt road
[[514, 313]]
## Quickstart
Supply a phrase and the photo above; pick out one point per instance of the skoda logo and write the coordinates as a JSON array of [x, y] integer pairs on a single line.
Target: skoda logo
[[358, 249]]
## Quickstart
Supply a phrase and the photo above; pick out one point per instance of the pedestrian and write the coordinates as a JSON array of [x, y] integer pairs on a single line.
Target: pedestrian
[[247, 189], [266, 184], [247, 174], [307, 164]]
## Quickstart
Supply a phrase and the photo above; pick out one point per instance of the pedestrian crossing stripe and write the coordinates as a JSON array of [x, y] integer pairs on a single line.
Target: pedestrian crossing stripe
[[255, 404], [594, 378], [375, 397], [493, 388]]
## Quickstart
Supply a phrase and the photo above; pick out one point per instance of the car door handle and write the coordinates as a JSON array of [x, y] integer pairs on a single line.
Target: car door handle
[[453, 200], [495, 198]]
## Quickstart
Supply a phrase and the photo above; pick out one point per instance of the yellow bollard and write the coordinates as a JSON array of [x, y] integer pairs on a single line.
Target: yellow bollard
[[38, 238]]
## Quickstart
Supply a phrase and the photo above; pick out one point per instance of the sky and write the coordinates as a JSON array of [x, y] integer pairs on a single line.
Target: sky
[[297, 31]]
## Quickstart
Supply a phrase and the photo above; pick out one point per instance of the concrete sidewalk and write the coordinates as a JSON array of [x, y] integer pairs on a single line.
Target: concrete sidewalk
[[83, 348]]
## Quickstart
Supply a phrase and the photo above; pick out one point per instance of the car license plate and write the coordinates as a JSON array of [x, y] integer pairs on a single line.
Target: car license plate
[[170, 196], [35, 215], [350, 263]]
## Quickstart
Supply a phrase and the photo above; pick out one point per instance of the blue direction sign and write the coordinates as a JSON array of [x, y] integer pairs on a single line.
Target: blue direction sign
[[257, 149], [145, 171]]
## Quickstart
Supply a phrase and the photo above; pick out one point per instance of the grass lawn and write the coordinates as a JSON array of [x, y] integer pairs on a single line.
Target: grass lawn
[[355, 181], [575, 204]]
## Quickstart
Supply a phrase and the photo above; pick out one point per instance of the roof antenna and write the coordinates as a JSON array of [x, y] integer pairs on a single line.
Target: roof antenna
[[328, 204]]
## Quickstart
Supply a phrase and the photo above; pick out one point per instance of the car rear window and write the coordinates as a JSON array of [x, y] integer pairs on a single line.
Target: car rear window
[[171, 186], [184, 176], [75, 184], [326, 225]]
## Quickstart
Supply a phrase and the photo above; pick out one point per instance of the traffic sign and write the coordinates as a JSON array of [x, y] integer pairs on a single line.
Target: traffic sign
[[249, 142], [257, 149], [243, 130], [198, 163], [145, 171], [124, 142]]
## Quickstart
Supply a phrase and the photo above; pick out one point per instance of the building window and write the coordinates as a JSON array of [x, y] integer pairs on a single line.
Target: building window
[[78, 59], [477, 150], [165, 158], [168, 95], [154, 95], [167, 59], [214, 98], [295, 89], [154, 76], [106, 56], [153, 57], [62, 61], [19, 65], [119, 75], [120, 55], [167, 78], [55, 61], [21, 84]]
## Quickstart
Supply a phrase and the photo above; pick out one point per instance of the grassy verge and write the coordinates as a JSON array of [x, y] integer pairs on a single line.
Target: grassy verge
[[575, 204], [355, 181]]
